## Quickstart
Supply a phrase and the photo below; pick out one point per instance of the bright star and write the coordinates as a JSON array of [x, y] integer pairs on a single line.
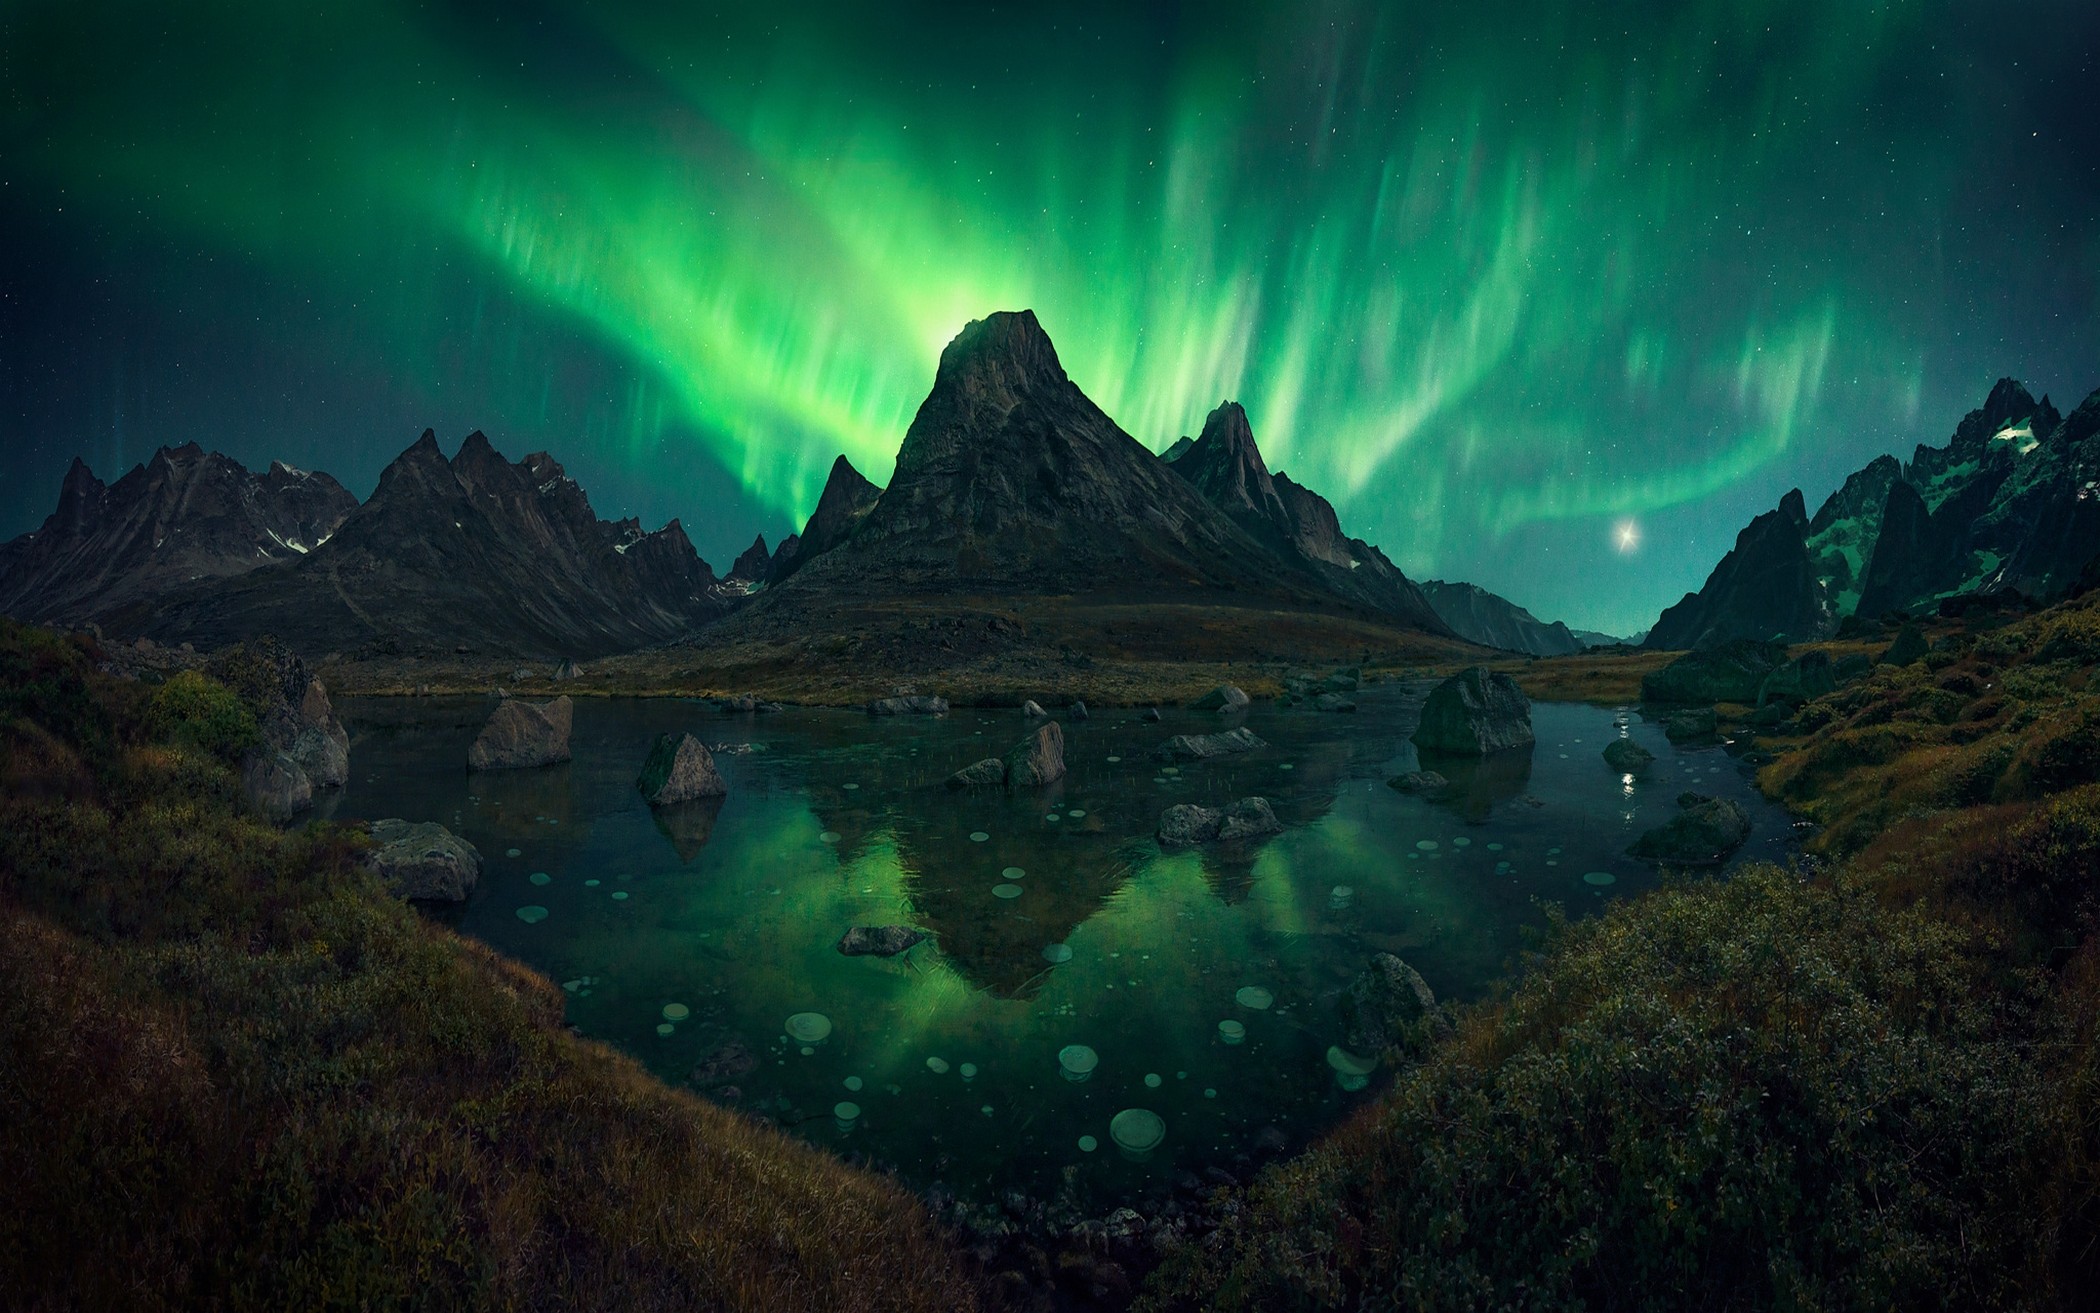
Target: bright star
[[1627, 536]]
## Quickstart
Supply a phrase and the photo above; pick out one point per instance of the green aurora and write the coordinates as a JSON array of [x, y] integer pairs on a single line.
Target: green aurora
[[1497, 279]]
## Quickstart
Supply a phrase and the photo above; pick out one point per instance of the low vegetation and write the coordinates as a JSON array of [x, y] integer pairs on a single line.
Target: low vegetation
[[237, 1074]]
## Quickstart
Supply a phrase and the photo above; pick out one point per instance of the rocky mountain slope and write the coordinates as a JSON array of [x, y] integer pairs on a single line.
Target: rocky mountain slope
[[845, 502], [184, 516], [2010, 503], [1492, 621], [476, 551]]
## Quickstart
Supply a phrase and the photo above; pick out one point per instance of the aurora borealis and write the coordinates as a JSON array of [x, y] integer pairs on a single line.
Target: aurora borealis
[[1551, 298]]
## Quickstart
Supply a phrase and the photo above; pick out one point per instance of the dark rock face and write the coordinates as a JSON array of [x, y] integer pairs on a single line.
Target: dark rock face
[[679, 770], [879, 940], [1187, 825], [1198, 747], [1732, 672], [911, 705], [845, 502], [509, 554], [990, 771], [751, 567], [1038, 759], [273, 784], [1479, 616], [1388, 1006], [1805, 678], [1077, 711], [522, 734], [1687, 726], [1473, 713], [423, 861], [1703, 833], [1841, 537], [1909, 646], [1225, 697], [304, 747], [1626, 756], [1765, 588], [184, 515]]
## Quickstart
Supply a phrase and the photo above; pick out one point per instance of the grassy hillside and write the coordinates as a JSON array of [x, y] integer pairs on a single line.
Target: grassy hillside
[[1868, 1083], [237, 1074]]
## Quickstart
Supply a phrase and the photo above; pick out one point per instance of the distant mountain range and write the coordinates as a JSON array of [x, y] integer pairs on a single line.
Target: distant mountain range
[[2010, 503], [1009, 481]]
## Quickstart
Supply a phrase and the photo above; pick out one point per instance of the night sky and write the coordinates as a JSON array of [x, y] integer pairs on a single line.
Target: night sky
[[1551, 298]]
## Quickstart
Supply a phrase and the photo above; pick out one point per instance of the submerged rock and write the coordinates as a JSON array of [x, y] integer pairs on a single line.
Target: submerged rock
[[1344, 681], [1333, 702], [879, 940], [1037, 759], [1732, 672], [522, 734], [987, 772], [915, 705], [1033, 709], [1225, 697], [1387, 1006], [273, 784], [1198, 747], [1186, 824], [729, 1061], [1418, 781], [423, 860], [1688, 725], [1474, 713], [1703, 833], [1626, 756], [1151, 716], [679, 770]]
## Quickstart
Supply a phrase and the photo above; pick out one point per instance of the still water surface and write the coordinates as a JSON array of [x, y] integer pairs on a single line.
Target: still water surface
[[1057, 920]]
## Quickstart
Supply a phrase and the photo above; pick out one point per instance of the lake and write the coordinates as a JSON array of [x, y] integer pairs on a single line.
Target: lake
[[691, 938]]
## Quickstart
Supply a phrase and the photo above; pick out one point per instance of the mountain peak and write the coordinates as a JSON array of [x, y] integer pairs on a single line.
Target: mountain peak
[[1007, 347], [2009, 401], [1226, 465]]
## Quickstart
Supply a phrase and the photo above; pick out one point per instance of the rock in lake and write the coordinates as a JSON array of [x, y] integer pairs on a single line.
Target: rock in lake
[[879, 940], [1197, 747], [1033, 709], [1389, 1005], [423, 861], [1185, 824], [1732, 672], [744, 702], [990, 771], [1474, 713], [319, 743], [1626, 757], [273, 784], [1225, 697], [1909, 646], [522, 734], [679, 770], [1418, 781], [728, 1062], [1077, 711], [918, 705], [1332, 702], [1151, 716], [1703, 833], [1688, 725], [1037, 759]]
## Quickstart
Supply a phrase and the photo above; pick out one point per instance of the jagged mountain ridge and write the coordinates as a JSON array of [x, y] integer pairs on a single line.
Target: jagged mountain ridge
[[2011, 501], [477, 550], [1010, 479], [185, 515], [1765, 587], [1493, 621]]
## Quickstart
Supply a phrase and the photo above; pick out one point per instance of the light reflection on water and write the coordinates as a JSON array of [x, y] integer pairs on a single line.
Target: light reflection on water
[[731, 910]]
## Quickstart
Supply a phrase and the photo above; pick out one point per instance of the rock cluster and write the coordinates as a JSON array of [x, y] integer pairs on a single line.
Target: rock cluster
[[1198, 747], [1474, 713], [521, 734], [1185, 824], [1703, 833], [1225, 697], [909, 705], [304, 746], [1036, 760]]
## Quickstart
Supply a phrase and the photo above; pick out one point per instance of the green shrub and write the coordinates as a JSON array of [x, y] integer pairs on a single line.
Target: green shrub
[[204, 714]]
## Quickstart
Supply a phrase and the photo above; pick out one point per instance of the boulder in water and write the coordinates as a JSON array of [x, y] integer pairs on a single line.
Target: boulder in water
[[1703, 833], [1225, 697], [523, 734], [990, 771], [727, 1062], [1033, 709], [879, 940], [1685, 726], [1197, 747], [1387, 1006], [1077, 711], [1474, 713], [1333, 702], [1626, 756], [909, 705], [1185, 824], [1038, 759], [423, 860], [1418, 781], [273, 784], [740, 703], [679, 770], [1151, 716]]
